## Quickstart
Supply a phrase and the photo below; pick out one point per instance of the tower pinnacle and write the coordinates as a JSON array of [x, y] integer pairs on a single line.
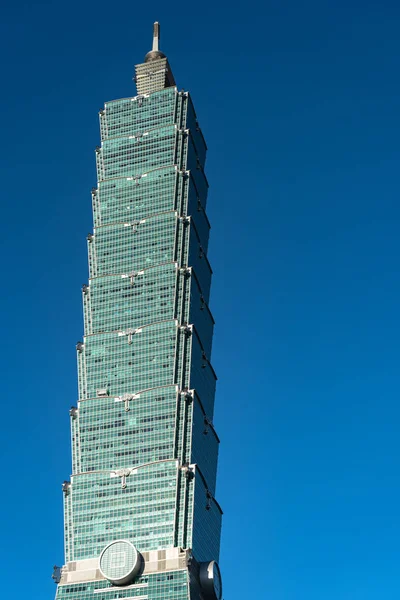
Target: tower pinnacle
[[155, 53], [154, 74], [156, 35]]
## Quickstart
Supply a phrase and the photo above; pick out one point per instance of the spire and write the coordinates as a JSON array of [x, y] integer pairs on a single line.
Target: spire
[[155, 53], [156, 35]]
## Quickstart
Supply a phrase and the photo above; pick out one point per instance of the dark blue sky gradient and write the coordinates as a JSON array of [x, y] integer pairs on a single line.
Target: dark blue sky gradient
[[299, 104]]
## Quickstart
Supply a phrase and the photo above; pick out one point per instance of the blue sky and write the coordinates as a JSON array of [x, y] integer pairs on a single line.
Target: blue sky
[[299, 103]]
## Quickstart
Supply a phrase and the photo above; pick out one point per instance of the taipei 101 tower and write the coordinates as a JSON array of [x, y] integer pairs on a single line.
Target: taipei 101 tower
[[141, 520]]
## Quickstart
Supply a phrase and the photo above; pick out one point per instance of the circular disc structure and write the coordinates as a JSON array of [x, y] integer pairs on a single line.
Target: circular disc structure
[[119, 562], [210, 580]]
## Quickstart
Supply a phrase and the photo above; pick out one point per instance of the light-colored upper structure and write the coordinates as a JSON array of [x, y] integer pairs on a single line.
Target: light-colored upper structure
[[155, 73]]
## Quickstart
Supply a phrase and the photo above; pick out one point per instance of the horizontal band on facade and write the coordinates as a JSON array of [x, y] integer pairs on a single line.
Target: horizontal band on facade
[[139, 175], [122, 332], [172, 167], [144, 465], [170, 262], [128, 224], [138, 96], [154, 561], [147, 131], [135, 586], [159, 387], [122, 275]]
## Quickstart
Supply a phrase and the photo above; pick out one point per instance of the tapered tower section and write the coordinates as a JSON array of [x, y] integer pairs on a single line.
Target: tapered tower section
[[141, 518]]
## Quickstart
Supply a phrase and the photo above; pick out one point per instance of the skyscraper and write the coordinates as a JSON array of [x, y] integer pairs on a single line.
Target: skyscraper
[[141, 518]]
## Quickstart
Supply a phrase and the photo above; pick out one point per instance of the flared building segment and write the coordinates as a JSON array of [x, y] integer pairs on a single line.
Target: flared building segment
[[141, 518]]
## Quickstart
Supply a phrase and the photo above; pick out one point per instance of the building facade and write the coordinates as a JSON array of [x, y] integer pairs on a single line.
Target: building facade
[[141, 518]]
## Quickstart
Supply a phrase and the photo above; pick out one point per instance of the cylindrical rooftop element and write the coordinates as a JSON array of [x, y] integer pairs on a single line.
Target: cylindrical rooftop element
[[155, 53]]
